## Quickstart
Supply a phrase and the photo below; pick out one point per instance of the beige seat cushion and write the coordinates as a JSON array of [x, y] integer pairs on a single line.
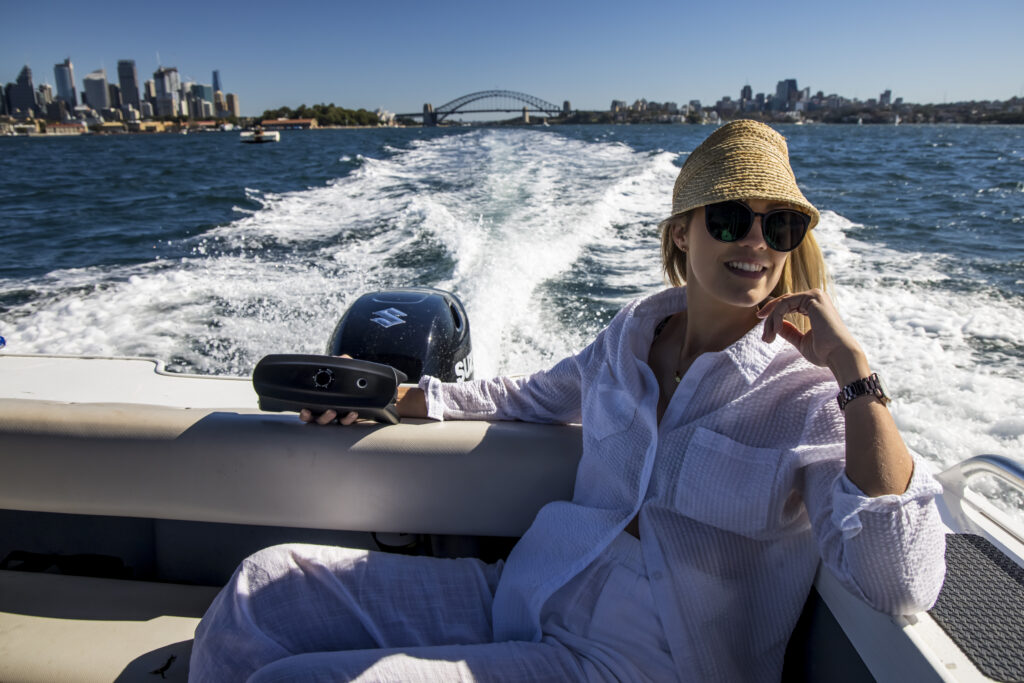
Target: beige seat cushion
[[71, 628]]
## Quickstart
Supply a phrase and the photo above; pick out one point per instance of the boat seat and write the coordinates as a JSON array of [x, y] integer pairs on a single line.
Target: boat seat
[[76, 628]]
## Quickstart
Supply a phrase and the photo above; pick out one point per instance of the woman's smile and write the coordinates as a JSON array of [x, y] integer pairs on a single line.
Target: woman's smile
[[747, 269]]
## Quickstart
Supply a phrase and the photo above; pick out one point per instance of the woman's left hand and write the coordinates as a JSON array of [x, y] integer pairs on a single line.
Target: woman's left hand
[[828, 343]]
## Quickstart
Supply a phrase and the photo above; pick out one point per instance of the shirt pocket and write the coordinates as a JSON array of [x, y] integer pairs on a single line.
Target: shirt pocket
[[608, 407], [727, 484]]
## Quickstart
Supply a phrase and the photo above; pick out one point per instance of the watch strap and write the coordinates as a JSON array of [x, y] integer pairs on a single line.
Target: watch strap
[[866, 386]]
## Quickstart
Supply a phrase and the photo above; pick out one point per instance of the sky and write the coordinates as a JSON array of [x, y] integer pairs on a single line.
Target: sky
[[398, 55]]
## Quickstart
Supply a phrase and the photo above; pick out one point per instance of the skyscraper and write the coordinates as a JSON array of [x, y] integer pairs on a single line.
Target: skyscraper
[[216, 80], [168, 88], [128, 79], [96, 92], [21, 95], [64, 74], [233, 106]]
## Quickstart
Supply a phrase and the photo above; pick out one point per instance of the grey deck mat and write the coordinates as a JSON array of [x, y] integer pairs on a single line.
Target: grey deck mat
[[981, 606]]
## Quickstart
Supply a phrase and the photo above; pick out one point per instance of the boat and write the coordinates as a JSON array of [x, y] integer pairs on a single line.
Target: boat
[[129, 494], [260, 135]]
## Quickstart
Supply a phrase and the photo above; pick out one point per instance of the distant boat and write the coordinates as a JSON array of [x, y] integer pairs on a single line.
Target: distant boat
[[260, 136]]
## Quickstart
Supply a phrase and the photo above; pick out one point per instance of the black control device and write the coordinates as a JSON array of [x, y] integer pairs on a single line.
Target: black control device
[[291, 382]]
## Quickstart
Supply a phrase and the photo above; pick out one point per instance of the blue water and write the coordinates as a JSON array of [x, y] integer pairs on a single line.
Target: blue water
[[207, 254]]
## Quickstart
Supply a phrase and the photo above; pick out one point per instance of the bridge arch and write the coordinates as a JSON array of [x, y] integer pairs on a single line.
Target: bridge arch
[[460, 103]]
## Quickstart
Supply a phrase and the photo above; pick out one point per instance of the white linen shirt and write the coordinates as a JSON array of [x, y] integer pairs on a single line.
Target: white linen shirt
[[740, 491]]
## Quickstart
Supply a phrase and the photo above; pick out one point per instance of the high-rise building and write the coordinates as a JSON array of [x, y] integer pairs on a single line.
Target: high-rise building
[[203, 92], [3, 100], [21, 95], [786, 94], [149, 95], [219, 105], [114, 93], [44, 95], [233, 107], [64, 74], [167, 84], [128, 79], [216, 80], [746, 93], [96, 93]]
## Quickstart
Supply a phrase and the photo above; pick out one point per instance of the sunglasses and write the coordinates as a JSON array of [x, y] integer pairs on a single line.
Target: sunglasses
[[783, 229]]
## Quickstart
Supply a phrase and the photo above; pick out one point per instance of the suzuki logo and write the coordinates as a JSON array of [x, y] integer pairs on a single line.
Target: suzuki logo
[[388, 317]]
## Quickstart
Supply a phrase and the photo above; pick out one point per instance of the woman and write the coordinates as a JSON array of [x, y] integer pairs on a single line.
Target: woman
[[719, 466]]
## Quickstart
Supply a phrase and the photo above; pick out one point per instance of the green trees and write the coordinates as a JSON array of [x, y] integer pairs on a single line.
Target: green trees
[[325, 115]]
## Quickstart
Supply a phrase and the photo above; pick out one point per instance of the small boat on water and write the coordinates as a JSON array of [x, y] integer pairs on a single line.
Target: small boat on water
[[129, 494], [260, 135]]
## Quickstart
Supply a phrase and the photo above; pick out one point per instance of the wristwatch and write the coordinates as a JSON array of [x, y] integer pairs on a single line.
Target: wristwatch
[[868, 386]]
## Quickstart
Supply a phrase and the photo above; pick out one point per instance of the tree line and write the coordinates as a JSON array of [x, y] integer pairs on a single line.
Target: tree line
[[325, 115]]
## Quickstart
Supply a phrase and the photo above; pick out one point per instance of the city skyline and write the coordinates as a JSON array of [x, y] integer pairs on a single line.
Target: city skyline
[[401, 55]]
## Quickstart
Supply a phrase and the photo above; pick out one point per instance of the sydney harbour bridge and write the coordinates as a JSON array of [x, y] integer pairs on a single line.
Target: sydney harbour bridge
[[488, 102]]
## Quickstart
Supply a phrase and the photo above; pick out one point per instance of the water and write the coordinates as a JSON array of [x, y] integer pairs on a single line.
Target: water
[[209, 254]]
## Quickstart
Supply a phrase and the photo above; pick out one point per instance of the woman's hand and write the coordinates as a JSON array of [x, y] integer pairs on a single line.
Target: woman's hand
[[828, 343], [327, 417]]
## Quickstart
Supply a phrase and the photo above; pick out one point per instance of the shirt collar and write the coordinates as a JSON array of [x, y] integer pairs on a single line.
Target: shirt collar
[[749, 353]]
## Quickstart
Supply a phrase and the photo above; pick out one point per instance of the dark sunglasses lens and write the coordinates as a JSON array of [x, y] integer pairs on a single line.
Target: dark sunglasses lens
[[784, 230], [727, 221]]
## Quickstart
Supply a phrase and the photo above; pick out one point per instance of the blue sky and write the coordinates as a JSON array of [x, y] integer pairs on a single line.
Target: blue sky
[[398, 55]]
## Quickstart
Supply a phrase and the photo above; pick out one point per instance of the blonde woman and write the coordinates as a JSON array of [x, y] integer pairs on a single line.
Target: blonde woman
[[735, 436]]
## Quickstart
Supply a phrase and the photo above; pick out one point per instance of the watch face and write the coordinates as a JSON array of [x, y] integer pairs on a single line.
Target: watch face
[[882, 388]]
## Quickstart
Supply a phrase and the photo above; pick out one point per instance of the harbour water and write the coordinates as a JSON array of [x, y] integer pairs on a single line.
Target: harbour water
[[208, 254]]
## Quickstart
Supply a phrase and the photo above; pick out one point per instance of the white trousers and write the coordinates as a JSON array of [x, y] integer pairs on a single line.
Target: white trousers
[[311, 613]]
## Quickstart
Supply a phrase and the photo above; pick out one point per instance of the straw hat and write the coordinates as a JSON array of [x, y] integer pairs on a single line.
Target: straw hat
[[741, 160]]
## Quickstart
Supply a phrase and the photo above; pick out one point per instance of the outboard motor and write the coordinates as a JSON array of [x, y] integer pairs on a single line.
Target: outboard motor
[[418, 330]]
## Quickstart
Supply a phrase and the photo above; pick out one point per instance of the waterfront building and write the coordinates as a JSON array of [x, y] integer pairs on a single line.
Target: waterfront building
[[216, 80], [786, 95], [204, 92], [219, 105], [128, 80], [566, 108], [146, 110], [64, 74], [167, 84], [618, 105], [21, 95], [149, 93], [233, 107], [114, 93], [44, 96], [96, 93], [885, 99]]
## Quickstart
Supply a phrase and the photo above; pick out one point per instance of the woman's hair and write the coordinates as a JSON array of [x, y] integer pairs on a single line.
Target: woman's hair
[[804, 269]]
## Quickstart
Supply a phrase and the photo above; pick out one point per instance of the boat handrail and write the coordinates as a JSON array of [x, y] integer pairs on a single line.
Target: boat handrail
[[1007, 470]]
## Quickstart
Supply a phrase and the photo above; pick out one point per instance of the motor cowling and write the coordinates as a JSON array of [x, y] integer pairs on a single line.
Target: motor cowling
[[418, 330]]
